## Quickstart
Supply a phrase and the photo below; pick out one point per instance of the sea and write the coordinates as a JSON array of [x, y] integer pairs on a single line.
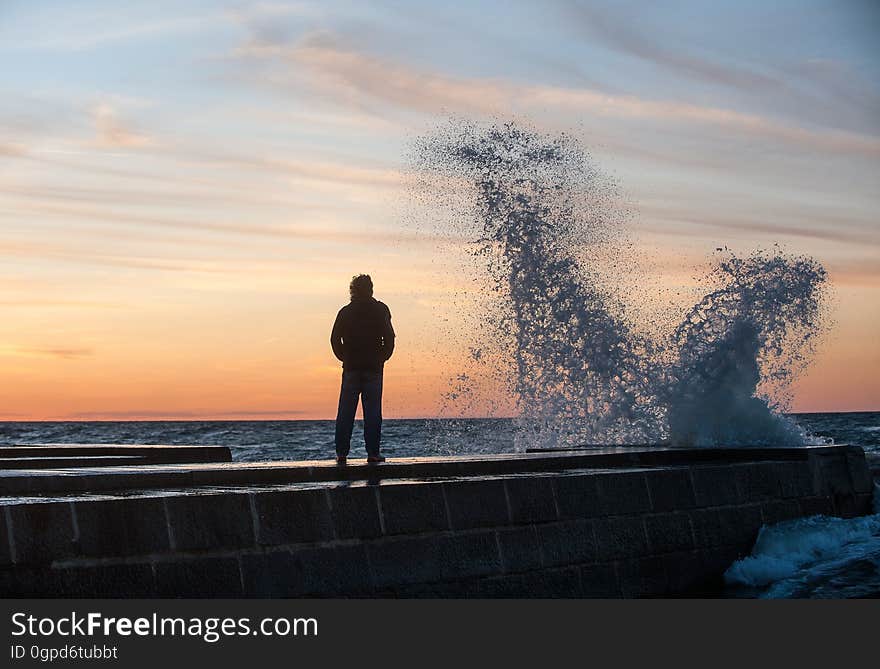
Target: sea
[[257, 440], [818, 557], [560, 320]]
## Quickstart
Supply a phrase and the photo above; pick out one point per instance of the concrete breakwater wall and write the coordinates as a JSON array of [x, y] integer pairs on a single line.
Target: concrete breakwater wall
[[59, 456], [601, 523]]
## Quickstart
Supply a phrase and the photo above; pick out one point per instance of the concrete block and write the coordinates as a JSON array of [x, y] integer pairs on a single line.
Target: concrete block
[[740, 525], [292, 517], [728, 526], [831, 474], [562, 583], [689, 573], [714, 486], [117, 527], [669, 532], [330, 571], [599, 581], [476, 504], [272, 574], [520, 550], [852, 505], [437, 590], [708, 532], [865, 503], [671, 489], [509, 586], [859, 473], [795, 479], [85, 582], [334, 572], [758, 481], [107, 580], [468, 555], [816, 506], [409, 509], [355, 512], [495, 587], [210, 522], [213, 577], [531, 499], [718, 560], [622, 493], [622, 537], [5, 532], [403, 560], [42, 533], [567, 543], [776, 511], [27, 582], [645, 577], [577, 496]]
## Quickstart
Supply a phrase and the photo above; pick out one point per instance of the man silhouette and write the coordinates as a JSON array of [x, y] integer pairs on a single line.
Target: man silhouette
[[363, 339]]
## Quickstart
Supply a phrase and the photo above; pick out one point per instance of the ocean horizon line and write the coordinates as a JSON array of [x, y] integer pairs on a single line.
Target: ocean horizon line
[[330, 419]]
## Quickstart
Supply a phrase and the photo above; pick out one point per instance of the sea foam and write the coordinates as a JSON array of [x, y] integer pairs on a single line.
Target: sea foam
[[791, 557]]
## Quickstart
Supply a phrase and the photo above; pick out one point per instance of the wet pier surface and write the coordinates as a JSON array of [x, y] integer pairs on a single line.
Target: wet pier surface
[[611, 522]]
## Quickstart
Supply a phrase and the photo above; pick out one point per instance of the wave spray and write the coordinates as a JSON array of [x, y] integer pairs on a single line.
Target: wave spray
[[548, 226]]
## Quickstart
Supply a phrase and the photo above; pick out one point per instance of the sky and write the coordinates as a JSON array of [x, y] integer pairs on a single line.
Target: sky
[[186, 187]]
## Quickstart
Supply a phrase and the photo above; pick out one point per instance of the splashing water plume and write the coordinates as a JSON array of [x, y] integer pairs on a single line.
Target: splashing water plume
[[738, 350], [549, 228]]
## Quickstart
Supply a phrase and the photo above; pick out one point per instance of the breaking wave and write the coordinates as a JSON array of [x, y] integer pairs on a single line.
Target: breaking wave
[[819, 556], [554, 332]]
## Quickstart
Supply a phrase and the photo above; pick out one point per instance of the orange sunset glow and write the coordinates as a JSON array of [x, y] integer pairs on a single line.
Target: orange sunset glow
[[183, 205]]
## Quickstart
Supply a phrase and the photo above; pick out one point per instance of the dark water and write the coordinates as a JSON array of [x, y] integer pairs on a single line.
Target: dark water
[[815, 557], [278, 440], [313, 439]]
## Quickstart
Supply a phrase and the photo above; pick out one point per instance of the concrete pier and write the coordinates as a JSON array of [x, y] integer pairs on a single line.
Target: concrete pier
[[617, 522], [55, 456]]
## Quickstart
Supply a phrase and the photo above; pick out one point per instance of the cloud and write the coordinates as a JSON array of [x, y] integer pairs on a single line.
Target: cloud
[[362, 80], [315, 170], [73, 28], [622, 33], [11, 150], [111, 133], [54, 303], [183, 156], [94, 214], [83, 257], [195, 414], [61, 353], [827, 91], [769, 223]]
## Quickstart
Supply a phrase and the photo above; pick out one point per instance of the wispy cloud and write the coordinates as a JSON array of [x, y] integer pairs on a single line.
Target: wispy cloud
[[360, 79], [59, 253], [827, 91], [194, 414], [48, 303], [765, 223], [618, 27], [11, 150], [63, 353], [112, 133], [69, 29]]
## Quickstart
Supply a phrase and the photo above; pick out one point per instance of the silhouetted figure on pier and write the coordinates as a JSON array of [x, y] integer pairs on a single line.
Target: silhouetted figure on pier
[[363, 340]]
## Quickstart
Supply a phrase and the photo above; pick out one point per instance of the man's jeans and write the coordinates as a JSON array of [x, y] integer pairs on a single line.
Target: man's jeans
[[368, 386]]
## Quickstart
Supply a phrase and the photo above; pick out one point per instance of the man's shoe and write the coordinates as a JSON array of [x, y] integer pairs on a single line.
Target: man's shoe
[[341, 459], [375, 459]]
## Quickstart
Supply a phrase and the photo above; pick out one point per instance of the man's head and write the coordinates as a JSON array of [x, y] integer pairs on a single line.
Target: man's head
[[361, 287]]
